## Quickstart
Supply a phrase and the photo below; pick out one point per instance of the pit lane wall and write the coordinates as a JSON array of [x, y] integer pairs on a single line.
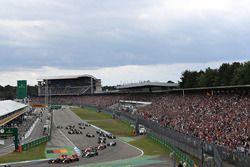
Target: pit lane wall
[[35, 143]]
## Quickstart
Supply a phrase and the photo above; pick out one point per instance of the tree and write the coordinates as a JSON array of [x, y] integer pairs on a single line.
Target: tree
[[189, 79], [242, 75]]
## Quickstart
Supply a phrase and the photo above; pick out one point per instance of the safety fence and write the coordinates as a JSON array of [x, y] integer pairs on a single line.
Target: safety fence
[[182, 156], [35, 143]]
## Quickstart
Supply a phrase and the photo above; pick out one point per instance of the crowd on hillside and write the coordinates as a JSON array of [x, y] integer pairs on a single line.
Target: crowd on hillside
[[222, 119]]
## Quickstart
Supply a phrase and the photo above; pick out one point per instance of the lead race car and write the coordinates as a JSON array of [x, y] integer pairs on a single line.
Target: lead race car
[[64, 159]]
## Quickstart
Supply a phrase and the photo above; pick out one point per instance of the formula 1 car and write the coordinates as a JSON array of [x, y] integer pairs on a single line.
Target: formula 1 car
[[99, 131], [90, 135], [101, 147], [113, 143], [87, 125], [71, 132], [102, 140], [110, 136], [71, 158], [90, 154], [59, 127], [77, 131], [88, 149], [70, 127], [81, 124], [60, 159], [81, 127]]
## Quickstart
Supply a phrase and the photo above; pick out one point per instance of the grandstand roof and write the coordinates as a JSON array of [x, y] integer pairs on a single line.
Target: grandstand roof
[[147, 83], [9, 106], [66, 77]]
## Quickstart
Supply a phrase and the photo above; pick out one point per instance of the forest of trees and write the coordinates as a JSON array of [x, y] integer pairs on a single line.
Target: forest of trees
[[226, 75], [9, 92]]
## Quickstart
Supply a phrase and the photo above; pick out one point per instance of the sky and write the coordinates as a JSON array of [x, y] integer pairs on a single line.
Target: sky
[[120, 41]]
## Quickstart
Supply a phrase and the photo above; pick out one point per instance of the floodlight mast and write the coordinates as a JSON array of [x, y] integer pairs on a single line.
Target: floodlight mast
[[91, 83], [46, 93]]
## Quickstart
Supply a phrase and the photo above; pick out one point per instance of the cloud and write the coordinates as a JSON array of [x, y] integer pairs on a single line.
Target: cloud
[[95, 33]]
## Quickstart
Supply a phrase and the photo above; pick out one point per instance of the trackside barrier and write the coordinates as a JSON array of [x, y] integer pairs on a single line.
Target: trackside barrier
[[35, 143], [182, 156]]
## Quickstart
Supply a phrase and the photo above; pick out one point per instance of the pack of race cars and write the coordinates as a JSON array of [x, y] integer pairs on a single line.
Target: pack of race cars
[[63, 159], [90, 151]]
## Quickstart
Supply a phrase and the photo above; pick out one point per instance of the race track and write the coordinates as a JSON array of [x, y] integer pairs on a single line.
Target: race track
[[61, 138]]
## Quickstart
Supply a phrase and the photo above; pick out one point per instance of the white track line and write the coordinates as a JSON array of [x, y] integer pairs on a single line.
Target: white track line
[[63, 133], [142, 152]]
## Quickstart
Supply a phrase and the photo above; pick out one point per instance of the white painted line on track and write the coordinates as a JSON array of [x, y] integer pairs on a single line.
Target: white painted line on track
[[27, 134], [142, 152], [63, 133]]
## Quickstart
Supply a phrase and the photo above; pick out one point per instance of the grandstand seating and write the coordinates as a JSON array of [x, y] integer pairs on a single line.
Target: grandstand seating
[[66, 90]]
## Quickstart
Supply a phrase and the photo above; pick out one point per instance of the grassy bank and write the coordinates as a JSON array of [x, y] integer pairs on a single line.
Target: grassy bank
[[89, 113], [104, 121], [32, 154], [150, 147]]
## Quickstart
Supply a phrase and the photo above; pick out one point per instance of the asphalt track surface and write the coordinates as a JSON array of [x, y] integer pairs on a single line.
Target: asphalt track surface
[[61, 138]]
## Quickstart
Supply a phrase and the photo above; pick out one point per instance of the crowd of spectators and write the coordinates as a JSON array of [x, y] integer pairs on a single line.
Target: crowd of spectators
[[66, 90], [23, 123], [220, 118]]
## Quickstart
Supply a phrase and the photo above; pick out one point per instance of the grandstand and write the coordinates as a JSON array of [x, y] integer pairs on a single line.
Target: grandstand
[[10, 110], [147, 86], [69, 85]]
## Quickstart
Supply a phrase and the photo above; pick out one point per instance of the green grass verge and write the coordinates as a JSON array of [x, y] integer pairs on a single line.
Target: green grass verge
[[114, 126], [150, 147], [104, 121], [88, 113], [32, 154]]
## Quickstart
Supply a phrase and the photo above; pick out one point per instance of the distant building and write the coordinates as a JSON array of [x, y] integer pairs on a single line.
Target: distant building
[[147, 86], [69, 85]]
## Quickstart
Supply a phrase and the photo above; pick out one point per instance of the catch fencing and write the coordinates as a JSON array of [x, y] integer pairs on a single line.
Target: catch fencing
[[182, 156]]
